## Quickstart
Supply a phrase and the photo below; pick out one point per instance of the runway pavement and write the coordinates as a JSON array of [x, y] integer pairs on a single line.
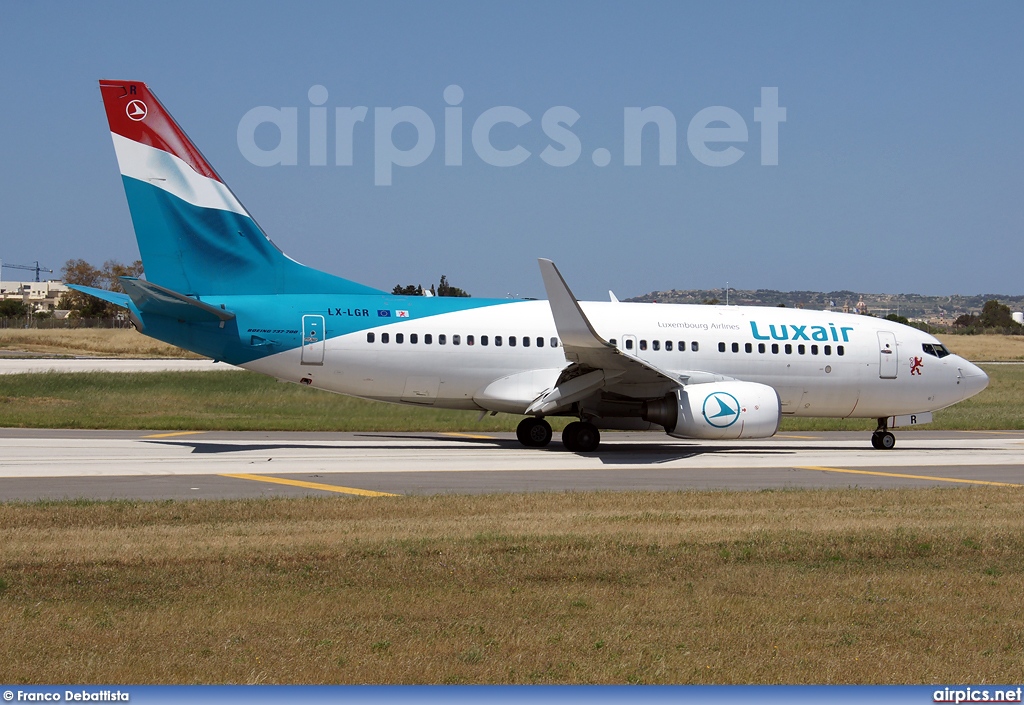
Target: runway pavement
[[35, 365], [57, 464]]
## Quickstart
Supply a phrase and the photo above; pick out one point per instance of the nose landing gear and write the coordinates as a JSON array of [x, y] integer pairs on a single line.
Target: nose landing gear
[[882, 439]]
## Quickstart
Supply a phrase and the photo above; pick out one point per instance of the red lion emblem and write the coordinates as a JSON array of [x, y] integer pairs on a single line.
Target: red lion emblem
[[916, 364]]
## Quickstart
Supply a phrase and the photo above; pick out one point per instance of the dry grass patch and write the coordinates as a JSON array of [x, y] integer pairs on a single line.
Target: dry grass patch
[[94, 342], [907, 586], [986, 347]]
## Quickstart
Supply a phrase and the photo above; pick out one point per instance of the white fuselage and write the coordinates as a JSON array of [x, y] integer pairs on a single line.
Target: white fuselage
[[820, 363]]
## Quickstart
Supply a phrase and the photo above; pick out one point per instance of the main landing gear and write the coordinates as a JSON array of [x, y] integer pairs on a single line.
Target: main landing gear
[[533, 432], [882, 439], [581, 437], [578, 437]]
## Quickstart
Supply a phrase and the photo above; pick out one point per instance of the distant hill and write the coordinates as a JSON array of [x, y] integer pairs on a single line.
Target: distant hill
[[936, 309]]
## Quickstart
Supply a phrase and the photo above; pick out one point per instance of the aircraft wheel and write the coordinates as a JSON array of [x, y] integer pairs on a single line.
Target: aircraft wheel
[[587, 438], [569, 435], [883, 440], [533, 432]]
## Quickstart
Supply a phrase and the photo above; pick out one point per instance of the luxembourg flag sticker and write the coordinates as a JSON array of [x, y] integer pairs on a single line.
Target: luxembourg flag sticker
[[401, 314]]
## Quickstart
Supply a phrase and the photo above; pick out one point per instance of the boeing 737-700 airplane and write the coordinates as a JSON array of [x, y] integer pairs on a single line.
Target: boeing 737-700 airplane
[[215, 284]]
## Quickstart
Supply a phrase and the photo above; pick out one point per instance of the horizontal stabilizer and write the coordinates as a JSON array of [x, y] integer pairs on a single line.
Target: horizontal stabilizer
[[157, 300], [112, 297]]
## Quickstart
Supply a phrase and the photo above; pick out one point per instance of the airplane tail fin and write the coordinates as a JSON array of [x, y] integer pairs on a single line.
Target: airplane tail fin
[[195, 237]]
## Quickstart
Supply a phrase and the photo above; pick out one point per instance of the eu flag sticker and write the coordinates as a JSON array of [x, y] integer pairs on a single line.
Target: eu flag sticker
[[383, 314]]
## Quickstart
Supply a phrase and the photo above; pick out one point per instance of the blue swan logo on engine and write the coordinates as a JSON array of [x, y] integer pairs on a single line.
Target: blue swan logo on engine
[[721, 409]]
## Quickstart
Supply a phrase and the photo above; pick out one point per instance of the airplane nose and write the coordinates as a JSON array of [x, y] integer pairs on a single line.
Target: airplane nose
[[972, 378]]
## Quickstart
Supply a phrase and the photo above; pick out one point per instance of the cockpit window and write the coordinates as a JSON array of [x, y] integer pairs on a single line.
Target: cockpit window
[[935, 349]]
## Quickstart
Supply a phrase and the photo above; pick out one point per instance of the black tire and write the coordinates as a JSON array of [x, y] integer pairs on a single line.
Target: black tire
[[569, 436], [534, 432], [588, 438], [883, 440]]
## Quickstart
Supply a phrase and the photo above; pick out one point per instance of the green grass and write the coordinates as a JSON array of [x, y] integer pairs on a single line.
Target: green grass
[[233, 401], [242, 401]]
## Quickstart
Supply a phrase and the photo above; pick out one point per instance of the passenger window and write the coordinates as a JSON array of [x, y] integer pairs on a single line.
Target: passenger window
[[540, 342], [384, 337], [497, 341], [370, 337], [442, 339], [789, 349], [511, 341], [682, 346], [554, 342], [814, 350], [801, 349], [775, 348], [694, 346], [526, 341], [456, 340], [483, 340], [643, 344], [760, 348], [428, 338], [414, 338], [655, 345], [668, 345], [828, 349], [470, 340], [629, 344], [612, 341], [840, 350], [399, 338], [748, 348], [721, 347], [735, 347]]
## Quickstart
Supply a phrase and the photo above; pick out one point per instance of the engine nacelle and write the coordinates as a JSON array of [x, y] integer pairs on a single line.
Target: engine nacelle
[[718, 411]]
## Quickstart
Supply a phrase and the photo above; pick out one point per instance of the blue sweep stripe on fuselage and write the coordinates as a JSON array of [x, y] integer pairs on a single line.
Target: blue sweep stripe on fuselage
[[269, 324], [208, 251]]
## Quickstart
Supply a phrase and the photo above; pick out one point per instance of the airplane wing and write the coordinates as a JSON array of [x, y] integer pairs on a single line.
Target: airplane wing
[[594, 363]]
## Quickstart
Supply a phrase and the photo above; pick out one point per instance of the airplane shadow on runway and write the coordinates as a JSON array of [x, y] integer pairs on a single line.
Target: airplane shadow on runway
[[613, 454], [641, 453]]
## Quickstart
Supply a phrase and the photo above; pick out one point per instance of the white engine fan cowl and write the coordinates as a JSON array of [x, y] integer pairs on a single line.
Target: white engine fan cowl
[[718, 411]]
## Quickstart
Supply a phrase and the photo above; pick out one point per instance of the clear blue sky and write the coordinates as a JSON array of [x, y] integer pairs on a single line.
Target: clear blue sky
[[900, 163]]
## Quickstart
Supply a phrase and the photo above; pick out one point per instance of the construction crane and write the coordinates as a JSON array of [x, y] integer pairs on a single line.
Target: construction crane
[[33, 268]]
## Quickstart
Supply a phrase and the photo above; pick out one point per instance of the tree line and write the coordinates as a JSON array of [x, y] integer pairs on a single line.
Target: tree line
[[443, 289]]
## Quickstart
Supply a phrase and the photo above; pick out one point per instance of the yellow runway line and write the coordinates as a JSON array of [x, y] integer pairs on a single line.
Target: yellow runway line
[[806, 438], [910, 477], [176, 433], [467, 435], [311, 485]]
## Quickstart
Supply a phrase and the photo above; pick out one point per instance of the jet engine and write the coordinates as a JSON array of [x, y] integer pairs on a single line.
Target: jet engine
[[717, 411]]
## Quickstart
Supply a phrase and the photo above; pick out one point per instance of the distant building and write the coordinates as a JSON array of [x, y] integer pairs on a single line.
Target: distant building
[[38, 296]]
